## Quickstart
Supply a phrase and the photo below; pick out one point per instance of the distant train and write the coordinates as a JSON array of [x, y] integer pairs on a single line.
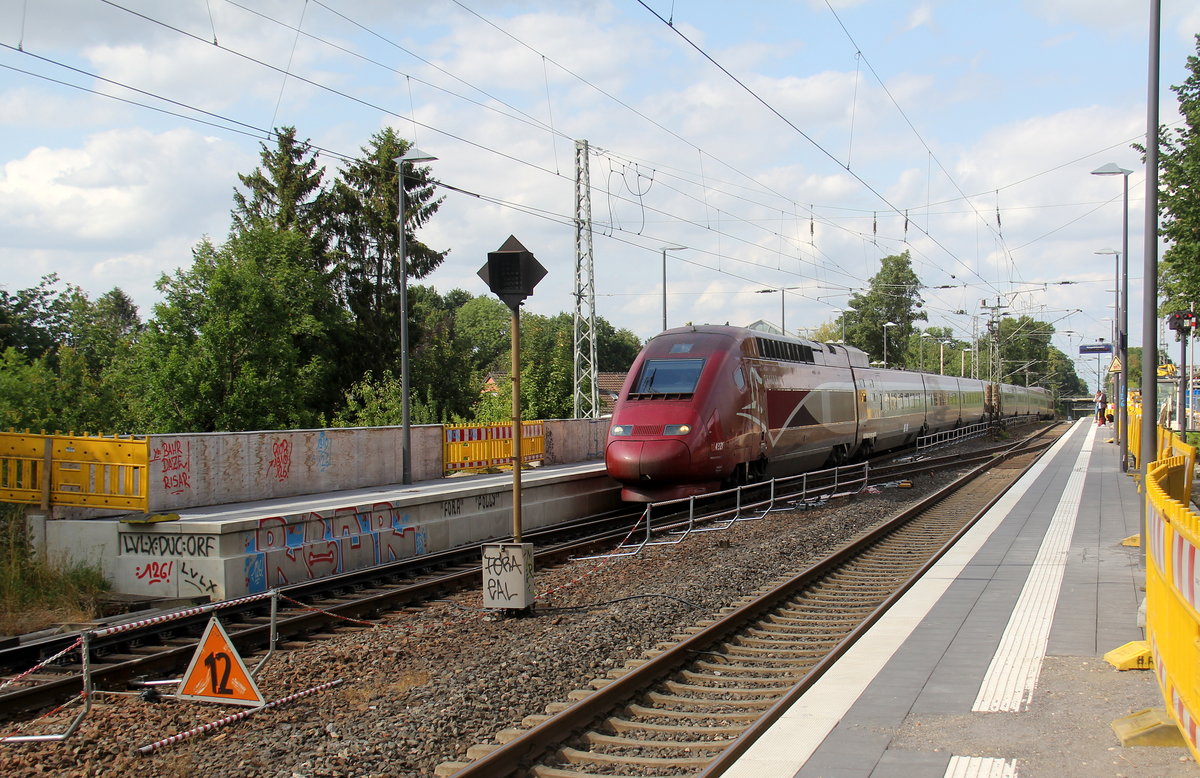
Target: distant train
[[705, 407]]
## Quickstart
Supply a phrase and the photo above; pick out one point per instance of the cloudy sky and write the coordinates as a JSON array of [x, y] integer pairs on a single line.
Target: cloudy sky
[[782, 144]]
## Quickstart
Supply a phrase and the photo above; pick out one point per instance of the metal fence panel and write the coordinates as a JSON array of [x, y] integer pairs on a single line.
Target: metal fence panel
[[79, 470], [482, 446]]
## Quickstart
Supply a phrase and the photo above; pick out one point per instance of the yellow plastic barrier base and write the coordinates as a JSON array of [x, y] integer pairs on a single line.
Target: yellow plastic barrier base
[[1134, 655], [1149, 727], [1134, 541], [149, 518]]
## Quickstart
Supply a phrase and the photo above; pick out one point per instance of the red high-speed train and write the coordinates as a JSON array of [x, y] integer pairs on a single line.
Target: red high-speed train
[[708, 406]]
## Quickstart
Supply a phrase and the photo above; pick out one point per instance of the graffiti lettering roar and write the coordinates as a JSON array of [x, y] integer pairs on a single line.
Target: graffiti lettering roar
[[281, 459], [154, 572], [175, 465]]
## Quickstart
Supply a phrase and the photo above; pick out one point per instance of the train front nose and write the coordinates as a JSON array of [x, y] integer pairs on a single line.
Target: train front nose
[[648, 460]]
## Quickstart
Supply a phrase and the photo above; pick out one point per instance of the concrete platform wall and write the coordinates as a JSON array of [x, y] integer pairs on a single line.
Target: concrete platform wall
[[226, 467], [229, 559]]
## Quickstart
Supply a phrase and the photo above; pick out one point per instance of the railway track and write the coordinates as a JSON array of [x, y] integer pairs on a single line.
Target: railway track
[[318, 607], [699, 702], [311, 610]]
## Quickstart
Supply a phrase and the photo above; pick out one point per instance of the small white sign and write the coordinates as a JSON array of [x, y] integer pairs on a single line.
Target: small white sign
[[508, 575]]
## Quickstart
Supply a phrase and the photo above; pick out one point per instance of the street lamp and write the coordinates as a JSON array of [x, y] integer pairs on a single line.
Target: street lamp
[[962, 362], [941, 357], [413, 154], [886, 327], [665, 249], [924, 337], [782, 306], [1121, 345], [841, 312]]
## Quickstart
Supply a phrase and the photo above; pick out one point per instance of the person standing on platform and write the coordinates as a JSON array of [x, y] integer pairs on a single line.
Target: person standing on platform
[[1101, 406]]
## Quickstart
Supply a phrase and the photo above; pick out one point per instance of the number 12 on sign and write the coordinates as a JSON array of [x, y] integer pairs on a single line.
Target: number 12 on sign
[[217, 673]]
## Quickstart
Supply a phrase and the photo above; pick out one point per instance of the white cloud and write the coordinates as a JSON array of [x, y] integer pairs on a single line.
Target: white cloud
[[920, 16], [121, 208]]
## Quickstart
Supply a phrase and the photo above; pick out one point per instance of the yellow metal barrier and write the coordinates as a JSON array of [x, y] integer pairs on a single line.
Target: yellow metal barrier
[[1133, 433], [479, 447], [79, 470], [1173, 595]]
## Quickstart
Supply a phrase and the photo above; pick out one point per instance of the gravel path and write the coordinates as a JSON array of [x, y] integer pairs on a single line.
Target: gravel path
[[423, 685]]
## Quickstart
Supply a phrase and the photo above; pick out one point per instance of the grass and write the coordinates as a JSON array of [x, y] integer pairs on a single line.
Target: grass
[[35, 593]]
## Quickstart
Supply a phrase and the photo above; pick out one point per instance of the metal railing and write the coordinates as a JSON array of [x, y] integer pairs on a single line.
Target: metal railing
[[675, 519]]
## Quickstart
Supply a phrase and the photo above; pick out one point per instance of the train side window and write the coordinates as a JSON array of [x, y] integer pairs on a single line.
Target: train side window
[[738, 379]]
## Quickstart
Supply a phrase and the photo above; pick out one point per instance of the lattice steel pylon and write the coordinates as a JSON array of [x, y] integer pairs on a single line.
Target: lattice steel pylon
[[587, 390]]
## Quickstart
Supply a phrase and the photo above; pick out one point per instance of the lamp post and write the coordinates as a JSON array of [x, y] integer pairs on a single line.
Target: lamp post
[[962, 362], [1122, 345], [924, 337], [941, 357], [413, 154], [664, 250], [782, 306], [886, 327]]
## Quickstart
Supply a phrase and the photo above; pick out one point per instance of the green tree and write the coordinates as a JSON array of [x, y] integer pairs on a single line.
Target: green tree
[[484, 324], [368, 245], [35, 320], [1179, 206], [893, 295], [286, 193], [615, 348], [228, 349]]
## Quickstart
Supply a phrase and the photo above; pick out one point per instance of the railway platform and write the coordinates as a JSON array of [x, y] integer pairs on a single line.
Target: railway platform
[[234, 549], [992, 664]]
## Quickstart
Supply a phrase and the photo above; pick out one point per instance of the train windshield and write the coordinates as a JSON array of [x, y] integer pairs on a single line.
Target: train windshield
[[668, 376]]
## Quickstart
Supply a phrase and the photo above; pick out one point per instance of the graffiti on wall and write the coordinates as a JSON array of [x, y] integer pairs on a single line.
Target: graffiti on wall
[[281, 459], [302, 547], [174, 460], [154, 572], [324, 452]]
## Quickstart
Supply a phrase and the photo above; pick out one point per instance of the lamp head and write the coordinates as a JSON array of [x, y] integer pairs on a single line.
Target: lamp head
[[414, 154], [1111, 169]]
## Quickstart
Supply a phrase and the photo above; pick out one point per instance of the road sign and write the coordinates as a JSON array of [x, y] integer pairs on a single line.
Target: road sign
[[217, 673]]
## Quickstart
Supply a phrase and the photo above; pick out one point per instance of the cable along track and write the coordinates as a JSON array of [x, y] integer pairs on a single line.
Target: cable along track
[[706, 697]]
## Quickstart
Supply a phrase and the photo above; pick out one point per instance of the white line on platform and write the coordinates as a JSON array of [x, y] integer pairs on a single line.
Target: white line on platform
[[980, 767], [800, 730], [1013, 673]]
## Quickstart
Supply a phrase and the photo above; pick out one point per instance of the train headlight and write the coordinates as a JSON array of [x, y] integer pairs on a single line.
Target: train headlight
[[621, 430], [677, 429]]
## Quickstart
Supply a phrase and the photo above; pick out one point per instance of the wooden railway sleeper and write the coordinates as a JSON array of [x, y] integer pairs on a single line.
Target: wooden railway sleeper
[[647, 712], [594, 738], [687, 702], [691, 729], [576, 756], [738, 692], [692, 675]]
